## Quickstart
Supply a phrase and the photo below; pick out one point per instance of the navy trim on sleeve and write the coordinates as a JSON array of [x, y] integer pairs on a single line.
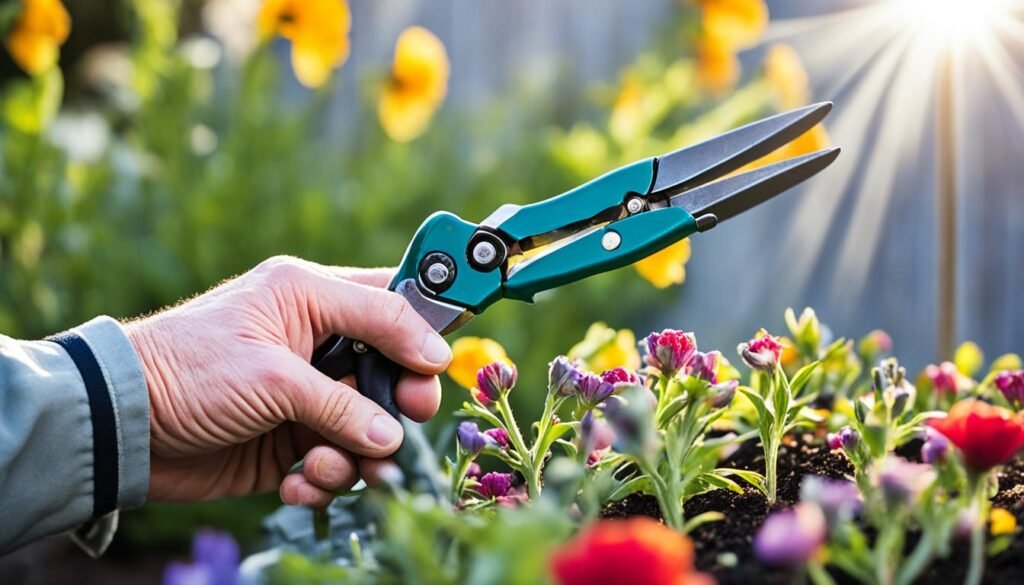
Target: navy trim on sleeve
[[104, 422]]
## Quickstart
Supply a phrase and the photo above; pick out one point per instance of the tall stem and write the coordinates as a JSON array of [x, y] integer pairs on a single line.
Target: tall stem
[[532, 480], [771, 463], [976, 484]]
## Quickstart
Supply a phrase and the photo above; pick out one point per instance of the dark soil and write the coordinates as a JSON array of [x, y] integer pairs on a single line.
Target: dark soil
[[725, 550]]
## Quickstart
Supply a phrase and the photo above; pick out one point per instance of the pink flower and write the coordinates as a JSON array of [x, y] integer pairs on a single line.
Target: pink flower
[[703, 365], [1011, 384], [670, 350], [499, 436], [762, 352], [846, 438], [474, 470], [620, 375], [495, 485], [943, 377]]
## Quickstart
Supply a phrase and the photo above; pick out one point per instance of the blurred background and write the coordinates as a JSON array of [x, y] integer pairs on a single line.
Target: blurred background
[[152, 148]]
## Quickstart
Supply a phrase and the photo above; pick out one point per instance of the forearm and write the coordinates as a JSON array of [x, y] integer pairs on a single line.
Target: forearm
[[74, 431]]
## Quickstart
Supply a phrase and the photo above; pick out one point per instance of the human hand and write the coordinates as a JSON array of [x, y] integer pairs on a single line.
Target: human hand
[[235, 402]]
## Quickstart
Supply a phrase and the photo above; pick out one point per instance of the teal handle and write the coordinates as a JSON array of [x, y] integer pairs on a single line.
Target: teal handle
[[639, 236], [583, 202]]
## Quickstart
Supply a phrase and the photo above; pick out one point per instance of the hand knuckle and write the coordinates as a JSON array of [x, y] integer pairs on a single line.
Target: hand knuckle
[[336, 410]]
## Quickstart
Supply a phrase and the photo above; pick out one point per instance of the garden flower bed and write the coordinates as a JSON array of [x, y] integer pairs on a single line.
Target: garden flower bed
[[823, 463]]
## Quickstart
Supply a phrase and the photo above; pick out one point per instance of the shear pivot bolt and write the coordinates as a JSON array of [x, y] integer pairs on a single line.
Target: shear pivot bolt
[[359, 347], [611, 240], [437, 273], [635, 205], [484, 252]]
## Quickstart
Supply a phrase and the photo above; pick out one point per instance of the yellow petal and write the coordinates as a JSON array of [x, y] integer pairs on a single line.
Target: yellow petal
[[403, 117], [968, 358], [735, 23], [469, 354], [418, 84], [604, 348], [787, 77], [318, 30], [1002, 522], [717, 65], [39, 31], [666, 266]]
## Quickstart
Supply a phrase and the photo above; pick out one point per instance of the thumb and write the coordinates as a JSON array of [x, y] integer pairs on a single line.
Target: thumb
[[342, 415]]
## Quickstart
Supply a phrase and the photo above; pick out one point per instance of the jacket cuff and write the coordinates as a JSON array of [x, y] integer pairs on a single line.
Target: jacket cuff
[[129, 401]]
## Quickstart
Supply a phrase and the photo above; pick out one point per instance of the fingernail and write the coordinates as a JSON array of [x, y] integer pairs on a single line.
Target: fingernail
[[383, 430], [435, 349]]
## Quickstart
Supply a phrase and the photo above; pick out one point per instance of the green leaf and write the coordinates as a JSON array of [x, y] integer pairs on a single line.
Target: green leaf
[[752, 477], [701, 519], [802, 376], [641, 484], [763, 413], [720, 481]]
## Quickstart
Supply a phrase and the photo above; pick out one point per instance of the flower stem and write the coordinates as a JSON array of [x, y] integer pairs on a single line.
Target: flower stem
[[771, 464], [976, 484], [671, 511], [528, 470], [459, 477]]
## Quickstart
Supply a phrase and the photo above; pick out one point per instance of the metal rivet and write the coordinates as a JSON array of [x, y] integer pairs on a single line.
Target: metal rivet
[[611, 240], [437, 273], [359, 347], [635, 205], [484, 252]]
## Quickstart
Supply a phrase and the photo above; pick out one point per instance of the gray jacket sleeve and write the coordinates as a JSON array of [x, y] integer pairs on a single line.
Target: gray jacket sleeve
[[74, 435]]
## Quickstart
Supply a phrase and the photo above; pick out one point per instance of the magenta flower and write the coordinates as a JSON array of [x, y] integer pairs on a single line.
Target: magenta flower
[[563, 376], [761, 353], [495, 485], [1011, 384], [703, 366], [499, 436], [790, 538], [470, 437], [620, 375], [943, 377], [496, 379], [670, 351], [846, 438], [593, 390], [935, 447], [215, 557]]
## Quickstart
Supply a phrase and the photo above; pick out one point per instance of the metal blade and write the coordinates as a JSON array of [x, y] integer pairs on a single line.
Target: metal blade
[[719, 156], [734, 195]]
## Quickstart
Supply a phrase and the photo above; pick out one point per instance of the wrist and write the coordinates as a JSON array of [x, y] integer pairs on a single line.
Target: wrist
[[158, 377]]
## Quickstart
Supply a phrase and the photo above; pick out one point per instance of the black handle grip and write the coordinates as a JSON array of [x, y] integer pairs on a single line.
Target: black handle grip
[[377, 378]]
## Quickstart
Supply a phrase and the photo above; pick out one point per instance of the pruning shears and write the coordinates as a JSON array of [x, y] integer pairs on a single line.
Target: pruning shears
[[454, 269]]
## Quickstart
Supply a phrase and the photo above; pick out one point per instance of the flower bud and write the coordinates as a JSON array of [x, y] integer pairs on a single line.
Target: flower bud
[[670, 350], [470, 437], [703, 366], [900, 480], [790, 538], [847, 438], [593, 390], [1011, 384], [474, 470], [721, 394], [935, 447], [944, 377], [902, 395], [563, 376], [838, 499], [620, 375], [762, 352], [496, 379], [499, 436]]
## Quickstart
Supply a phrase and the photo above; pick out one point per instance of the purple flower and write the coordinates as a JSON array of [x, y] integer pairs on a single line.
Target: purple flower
[[595, 433], [935, 446], [838, 499], [620, 375], [722, 393], [593, 390], [703, 366], [762, 352], [846, 438], [944, 377], [470, 437], [563, 376], [499, 436], [495, 485], [901, 480], [1011, 384], [790, 538], [496, 379], [670, 350], [474, 470], [215, 557]]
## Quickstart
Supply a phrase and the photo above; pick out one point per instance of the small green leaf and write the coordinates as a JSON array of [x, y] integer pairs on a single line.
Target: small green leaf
[[641, 484], [763, 413], [752, 477], [802, 376], [701, 519], [720, 481]]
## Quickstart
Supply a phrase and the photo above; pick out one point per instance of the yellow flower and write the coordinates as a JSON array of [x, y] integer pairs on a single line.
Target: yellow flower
[[1002, 522], [418, 84], [39, 31], [318, 31], [469, 354], [717, 65], [968, 358], [666, 266], [735, 24], [787, 77], [604, 348]]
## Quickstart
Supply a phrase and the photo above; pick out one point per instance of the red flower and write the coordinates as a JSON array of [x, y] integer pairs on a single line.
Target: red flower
[[986, 435], [639, 551]]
